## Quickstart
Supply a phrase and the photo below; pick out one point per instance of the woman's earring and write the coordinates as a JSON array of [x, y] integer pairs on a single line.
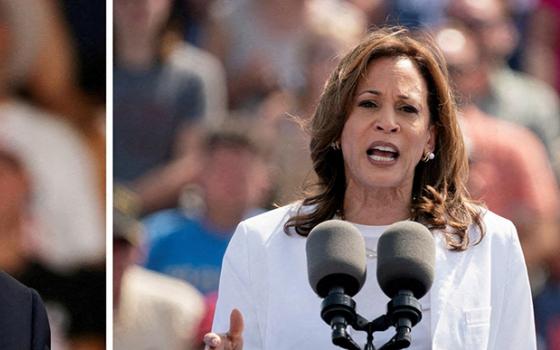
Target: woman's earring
[[335, 145], [429, 156]]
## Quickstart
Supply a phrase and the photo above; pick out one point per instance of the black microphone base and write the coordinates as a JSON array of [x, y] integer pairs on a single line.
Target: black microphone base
[[339, 311]]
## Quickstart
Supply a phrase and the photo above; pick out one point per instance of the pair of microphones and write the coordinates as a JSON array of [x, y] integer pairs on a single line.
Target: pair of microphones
[[336, 265]]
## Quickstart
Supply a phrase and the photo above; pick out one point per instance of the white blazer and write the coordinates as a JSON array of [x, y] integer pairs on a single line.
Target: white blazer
[[480, 298]]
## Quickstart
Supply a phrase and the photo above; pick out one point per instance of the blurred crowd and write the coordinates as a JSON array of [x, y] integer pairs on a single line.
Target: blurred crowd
[[52, 161], [211, 100]]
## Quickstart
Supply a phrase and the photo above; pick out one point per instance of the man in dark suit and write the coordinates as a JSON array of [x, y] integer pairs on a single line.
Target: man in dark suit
[[23, 319]]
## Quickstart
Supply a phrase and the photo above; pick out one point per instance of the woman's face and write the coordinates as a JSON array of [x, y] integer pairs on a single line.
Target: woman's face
[[388, 129]]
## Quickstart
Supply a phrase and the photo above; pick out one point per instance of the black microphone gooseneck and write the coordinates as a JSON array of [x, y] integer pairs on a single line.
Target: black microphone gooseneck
[[338, 310], [403, 312]]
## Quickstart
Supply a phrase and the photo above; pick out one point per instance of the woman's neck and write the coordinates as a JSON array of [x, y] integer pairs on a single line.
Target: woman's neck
[[376, 207]]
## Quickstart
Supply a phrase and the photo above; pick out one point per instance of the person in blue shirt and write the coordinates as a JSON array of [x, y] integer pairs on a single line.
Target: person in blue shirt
[[189, 242]]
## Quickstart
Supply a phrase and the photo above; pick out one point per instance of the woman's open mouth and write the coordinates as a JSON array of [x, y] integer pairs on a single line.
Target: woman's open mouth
[[383, 152]]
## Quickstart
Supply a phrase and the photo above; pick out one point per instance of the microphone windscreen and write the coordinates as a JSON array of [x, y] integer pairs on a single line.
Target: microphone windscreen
[[336, 257], [406, 259]]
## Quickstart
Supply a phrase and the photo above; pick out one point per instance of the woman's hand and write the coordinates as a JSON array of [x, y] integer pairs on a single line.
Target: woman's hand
[[232, 340]]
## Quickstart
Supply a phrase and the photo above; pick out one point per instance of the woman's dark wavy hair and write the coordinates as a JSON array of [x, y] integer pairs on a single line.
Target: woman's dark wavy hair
[[439, 196]]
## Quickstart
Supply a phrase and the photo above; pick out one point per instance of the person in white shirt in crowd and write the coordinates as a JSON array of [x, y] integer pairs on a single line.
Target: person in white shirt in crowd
[[150, 310]]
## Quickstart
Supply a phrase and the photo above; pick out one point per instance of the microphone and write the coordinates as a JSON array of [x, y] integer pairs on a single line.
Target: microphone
[[405, 272], [336, 267], [336, 258]]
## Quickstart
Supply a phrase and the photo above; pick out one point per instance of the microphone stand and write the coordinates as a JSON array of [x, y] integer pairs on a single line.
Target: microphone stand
[[339, 310]]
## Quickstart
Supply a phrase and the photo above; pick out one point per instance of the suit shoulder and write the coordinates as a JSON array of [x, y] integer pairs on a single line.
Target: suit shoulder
[[9, 286]]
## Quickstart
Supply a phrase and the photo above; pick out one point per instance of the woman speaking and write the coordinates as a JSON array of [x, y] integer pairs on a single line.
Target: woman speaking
[[386, 147]]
